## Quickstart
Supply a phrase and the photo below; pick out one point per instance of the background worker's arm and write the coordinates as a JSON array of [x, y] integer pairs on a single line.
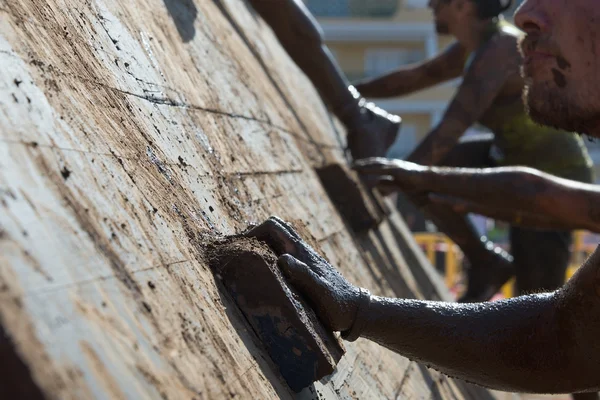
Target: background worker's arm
[[445, 66], [302, 38], [544, 343], [484, 80], [519, 195]]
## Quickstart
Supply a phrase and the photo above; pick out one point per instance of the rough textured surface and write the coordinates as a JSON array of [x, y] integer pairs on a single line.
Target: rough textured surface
[[131, 133], [355, 205], [303, 350]]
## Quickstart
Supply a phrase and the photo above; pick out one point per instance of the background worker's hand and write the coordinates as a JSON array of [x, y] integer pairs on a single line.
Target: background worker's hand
[[371, 130], [393, 171], [333, 298], [396, 175]]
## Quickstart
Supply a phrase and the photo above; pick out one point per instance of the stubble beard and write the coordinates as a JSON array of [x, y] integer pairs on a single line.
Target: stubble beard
[[548, 107]]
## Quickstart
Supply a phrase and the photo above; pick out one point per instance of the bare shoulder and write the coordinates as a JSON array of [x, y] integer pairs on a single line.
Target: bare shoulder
[[586, 281], [504, 42], [500, 53]]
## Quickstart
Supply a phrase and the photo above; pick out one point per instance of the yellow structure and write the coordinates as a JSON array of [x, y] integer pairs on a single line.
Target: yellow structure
[[431, 243]]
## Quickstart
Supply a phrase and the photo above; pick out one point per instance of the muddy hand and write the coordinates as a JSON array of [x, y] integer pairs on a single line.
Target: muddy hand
[[396, 175], [386, 185], [403, 173], [371, 130], [333, 298]]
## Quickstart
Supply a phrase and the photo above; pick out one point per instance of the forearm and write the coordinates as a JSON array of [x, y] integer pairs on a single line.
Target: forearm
[[511, 345], [301, 37], [397, 83], [524, 191], [516, 217], [445, 66]]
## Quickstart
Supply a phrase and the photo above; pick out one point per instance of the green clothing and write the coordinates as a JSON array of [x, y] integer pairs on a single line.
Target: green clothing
[[521, 141]]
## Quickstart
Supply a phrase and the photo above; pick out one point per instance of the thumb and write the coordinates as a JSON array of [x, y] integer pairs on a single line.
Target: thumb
[[387, 185], [299, 274]]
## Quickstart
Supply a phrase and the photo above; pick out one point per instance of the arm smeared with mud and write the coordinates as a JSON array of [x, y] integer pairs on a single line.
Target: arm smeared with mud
[[371, 130], [520, 195], [447, 65], [544, 343], [491, 68]]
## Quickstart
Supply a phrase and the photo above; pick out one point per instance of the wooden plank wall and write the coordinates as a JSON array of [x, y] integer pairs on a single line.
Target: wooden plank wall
[[130, 133]]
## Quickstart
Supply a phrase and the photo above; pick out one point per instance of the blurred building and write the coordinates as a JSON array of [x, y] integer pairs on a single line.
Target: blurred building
[[370, 37]]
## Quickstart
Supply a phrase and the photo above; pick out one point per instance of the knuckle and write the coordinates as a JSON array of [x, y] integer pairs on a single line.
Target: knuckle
[[272, 224]]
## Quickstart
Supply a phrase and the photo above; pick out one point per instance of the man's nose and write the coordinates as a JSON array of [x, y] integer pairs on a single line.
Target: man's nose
[[531, 16]]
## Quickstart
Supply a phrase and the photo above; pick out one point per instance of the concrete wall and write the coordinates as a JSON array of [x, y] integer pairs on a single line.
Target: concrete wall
[[131, 133]]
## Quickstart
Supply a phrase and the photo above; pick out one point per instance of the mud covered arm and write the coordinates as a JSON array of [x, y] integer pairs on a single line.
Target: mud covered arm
[[519, 195], [545, 343], [482, 83], [446, 66]]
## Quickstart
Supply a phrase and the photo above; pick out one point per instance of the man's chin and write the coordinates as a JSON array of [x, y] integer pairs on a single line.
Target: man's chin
[[541, 117], [542, 109], [551, 109]]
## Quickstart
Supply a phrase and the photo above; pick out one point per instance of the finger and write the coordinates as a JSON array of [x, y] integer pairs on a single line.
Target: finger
[[288, 227], [373, 169], [372, 161], [386, 185], [275, 235], [300, 275], [386, 180], [303, 250]]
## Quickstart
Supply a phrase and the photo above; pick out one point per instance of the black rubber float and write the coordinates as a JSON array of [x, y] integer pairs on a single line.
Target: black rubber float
[[296, 341]]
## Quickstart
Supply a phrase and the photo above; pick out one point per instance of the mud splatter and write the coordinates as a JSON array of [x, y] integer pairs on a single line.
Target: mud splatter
[[182, 162], [559, 78], [65, 172], [162, 168], [562, 63]]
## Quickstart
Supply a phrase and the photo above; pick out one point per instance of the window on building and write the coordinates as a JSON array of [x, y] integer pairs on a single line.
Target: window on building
[[352, 8], [329, 8], [379, 61], [416, 3]]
